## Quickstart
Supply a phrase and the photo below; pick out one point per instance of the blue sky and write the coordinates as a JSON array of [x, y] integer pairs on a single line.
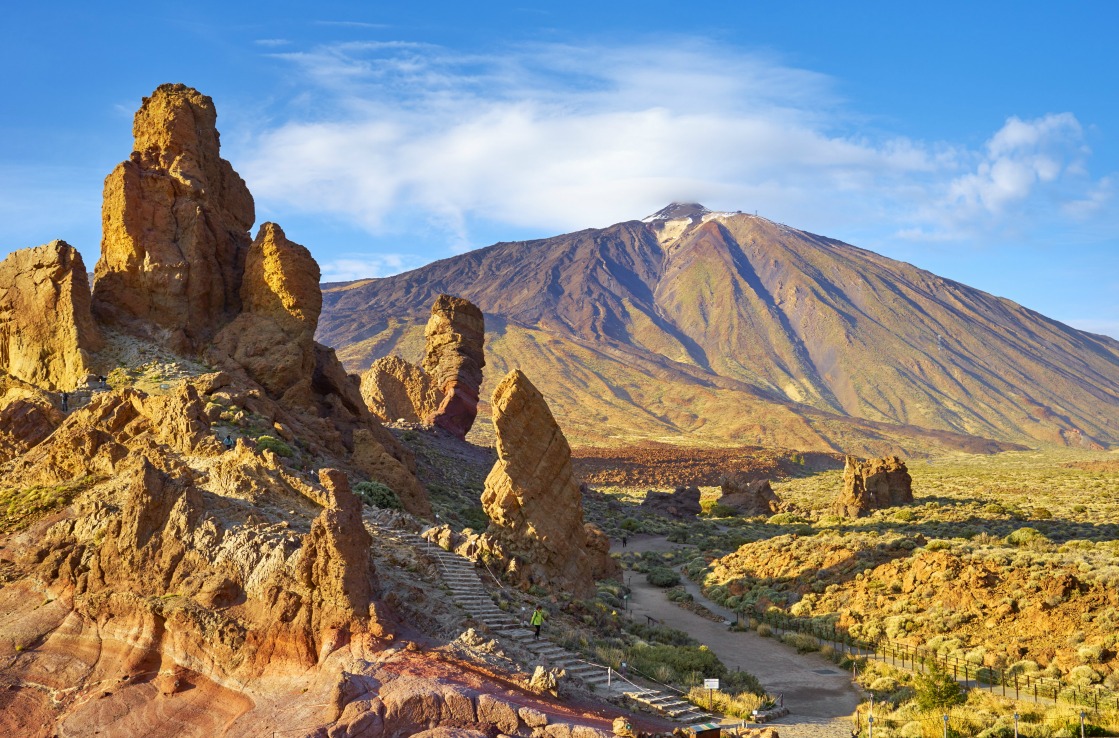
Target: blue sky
[[977, 140]]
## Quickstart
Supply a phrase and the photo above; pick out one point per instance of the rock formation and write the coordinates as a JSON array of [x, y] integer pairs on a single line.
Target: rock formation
[[749, 497], [175, 224], [394, 390], [872, 485], [683, 502], [27, 416], [455, 335], [273, 337], [532, 497], [444, 391], [46, 329]]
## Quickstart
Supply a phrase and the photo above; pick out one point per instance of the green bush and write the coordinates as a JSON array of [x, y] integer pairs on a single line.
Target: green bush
[[379, 495], [938, 690], [631, 525], [1023, 536], [275, 445], [662, 576], [722, 511]]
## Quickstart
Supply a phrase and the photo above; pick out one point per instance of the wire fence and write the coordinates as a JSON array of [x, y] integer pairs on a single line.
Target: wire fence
[[1009, 683]]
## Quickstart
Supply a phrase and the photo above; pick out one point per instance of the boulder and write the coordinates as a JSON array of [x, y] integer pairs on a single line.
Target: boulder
[[683, 502], [46, 329], [749, 497], [532, 497], [394, 389], [455, 335], [873, 484], [175, 226]]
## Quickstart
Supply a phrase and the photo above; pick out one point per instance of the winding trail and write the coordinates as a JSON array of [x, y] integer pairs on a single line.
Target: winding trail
[[819, 695]]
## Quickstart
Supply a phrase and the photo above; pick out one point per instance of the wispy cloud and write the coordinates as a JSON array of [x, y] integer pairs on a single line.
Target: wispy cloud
[[362, 266], [563, 136], [272, 42]]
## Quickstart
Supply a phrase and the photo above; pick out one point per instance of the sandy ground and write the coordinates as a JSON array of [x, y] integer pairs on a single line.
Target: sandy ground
[[819, 695]]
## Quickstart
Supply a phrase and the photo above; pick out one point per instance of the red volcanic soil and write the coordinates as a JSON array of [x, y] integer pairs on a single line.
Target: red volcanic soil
[[663, 465]]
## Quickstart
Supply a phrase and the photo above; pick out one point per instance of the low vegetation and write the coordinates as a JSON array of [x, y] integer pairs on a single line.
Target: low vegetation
[[21, 507]]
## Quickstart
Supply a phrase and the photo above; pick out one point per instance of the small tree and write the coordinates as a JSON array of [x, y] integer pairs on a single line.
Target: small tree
[[938, 690]]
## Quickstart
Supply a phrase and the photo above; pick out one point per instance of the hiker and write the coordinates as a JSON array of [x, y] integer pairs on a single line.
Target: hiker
[[65, 402], [537, 620], [623, 541], [228, 443]]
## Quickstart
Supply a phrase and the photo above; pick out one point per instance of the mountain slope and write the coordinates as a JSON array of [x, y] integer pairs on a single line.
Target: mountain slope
[[729, 327]]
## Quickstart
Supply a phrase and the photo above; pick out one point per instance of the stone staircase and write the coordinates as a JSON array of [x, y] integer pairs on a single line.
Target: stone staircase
[[461, 576]]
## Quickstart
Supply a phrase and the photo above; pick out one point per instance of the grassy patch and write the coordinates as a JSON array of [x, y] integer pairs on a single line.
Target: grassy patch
[[21, 507]]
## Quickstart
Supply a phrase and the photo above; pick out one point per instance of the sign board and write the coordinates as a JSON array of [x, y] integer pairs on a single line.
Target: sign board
[[710, 683]]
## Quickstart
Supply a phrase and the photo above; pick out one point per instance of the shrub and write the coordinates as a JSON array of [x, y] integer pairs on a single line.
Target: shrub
[[662, 576], [937, 690], [630, 524], [275, 445], [786, 518], [801, 642], [379, 495], [1023, 536], [722, 511], [764, 630]]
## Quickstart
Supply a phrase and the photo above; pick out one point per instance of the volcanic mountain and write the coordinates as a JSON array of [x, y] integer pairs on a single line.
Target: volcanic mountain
[[704, 327]]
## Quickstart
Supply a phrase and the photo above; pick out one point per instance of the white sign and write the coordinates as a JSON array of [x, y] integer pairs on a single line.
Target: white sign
[[710, 683]]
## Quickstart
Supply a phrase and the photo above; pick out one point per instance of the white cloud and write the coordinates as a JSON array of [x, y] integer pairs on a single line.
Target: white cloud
[[561, 137], [1021, 156], [363, 266]]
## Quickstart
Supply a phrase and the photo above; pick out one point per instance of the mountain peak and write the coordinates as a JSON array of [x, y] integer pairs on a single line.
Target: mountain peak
[[678, 211]]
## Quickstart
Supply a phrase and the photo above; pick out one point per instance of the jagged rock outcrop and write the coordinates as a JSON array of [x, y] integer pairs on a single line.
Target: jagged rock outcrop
[[454, 360], [175, 226], [872, 485], [46, 329], [683, 502], [532, 497], [749, 497], [273, 337], [444, 390], [27, 416], [394, 390]]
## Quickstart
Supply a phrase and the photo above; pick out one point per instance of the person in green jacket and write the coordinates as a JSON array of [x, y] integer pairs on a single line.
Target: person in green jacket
[[537, 620]]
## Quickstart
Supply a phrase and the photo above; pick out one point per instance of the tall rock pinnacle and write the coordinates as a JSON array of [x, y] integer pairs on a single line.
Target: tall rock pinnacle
[[533, 498], [175, 226]]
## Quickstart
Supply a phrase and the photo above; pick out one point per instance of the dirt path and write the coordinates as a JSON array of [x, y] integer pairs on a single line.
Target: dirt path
[[819, 695]]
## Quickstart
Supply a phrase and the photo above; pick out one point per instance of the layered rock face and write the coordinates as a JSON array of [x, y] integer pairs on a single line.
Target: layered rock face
[[444, 390], [46, 330], [749, 497], [872, 485], [532, 497], [683, 502], [175, 226], [454, 360]]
